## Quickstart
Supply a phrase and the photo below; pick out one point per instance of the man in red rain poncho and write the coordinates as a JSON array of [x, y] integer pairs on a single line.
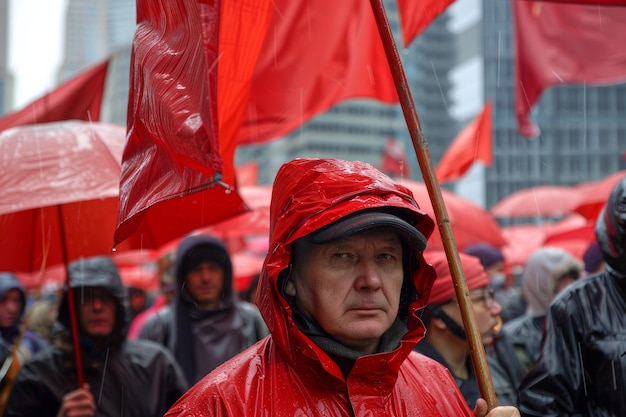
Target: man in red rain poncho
[[341, 291]]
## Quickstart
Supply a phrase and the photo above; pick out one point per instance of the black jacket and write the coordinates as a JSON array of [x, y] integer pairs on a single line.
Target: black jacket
[[582, 367], [201, 339], [128, 378]]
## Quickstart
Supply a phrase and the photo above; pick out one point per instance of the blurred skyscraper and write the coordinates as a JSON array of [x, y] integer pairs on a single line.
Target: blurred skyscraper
[[583, 128], [97, 30], [6, 79]]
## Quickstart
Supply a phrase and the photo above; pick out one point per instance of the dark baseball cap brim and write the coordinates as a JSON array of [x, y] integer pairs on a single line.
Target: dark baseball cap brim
[[361, 221]]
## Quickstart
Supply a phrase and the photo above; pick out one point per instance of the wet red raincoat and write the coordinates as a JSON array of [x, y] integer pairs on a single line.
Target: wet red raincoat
[[286, 374]]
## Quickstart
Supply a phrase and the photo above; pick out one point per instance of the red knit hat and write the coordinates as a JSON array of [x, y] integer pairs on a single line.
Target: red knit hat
[[443, 288]]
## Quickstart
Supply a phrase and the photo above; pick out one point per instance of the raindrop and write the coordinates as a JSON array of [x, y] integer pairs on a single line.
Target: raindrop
[[443, 97], [104, 373]]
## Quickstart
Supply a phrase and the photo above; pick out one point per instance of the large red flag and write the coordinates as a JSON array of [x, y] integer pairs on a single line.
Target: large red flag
[[177, 168], [317, 54], [416, 15], [79, 98], [564, 44], [276, 64], [474, 143]]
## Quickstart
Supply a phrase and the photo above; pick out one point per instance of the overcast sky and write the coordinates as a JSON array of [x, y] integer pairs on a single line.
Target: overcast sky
[[35, 46]]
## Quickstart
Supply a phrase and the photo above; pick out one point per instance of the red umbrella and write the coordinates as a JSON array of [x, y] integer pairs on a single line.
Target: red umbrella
[[141, 276], [522, 240], [539, 201], [60, 185], [59, 197], [593, 195], [470, 223], [573, 234]]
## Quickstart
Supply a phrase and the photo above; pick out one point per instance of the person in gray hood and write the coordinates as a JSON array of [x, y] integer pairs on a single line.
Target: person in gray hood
[[12, 308], [547, 272], [122, 377], [582, 367], [207, 323]]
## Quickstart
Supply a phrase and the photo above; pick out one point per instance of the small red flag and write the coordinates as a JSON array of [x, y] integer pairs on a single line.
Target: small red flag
[[394, 161], [474, 143], [79, 98], [416, 15], [564, 44]]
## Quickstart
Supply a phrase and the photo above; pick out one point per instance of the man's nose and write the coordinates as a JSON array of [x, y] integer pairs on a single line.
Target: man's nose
[[496, 308], [369, 277]]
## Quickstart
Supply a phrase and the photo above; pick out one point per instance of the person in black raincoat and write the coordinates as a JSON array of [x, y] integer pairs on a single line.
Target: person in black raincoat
[[206, 324], [582, 367], [121, 377]]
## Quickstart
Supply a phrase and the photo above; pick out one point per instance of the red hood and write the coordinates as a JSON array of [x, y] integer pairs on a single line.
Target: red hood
[[307, 195]]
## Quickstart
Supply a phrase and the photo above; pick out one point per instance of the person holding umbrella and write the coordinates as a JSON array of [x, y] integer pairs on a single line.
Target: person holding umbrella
[[342, 288], [121, 376]]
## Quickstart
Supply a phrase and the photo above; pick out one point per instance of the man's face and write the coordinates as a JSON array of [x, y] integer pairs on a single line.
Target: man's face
[[10, 308], [486, 310], [97, 311], [205, 283], [350, 286]]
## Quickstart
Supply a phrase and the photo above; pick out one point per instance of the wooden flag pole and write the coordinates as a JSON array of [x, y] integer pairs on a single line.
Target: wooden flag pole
[[71, 304], [477, 351]]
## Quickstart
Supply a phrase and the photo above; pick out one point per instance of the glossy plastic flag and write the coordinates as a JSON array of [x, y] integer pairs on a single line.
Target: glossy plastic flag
[[472, 144], [416, 15], [564, 44], [79, 98], [177, 168]]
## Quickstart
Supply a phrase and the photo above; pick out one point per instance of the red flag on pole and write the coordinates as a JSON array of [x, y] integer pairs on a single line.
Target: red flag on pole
[[79, 98], [278, 63], [474, 143], [415, 16], [317, 54], [564, 44], [177, 168], [394, 161]]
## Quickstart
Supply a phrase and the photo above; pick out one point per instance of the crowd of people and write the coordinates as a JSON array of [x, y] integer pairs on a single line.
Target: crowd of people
[[352, 315]]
